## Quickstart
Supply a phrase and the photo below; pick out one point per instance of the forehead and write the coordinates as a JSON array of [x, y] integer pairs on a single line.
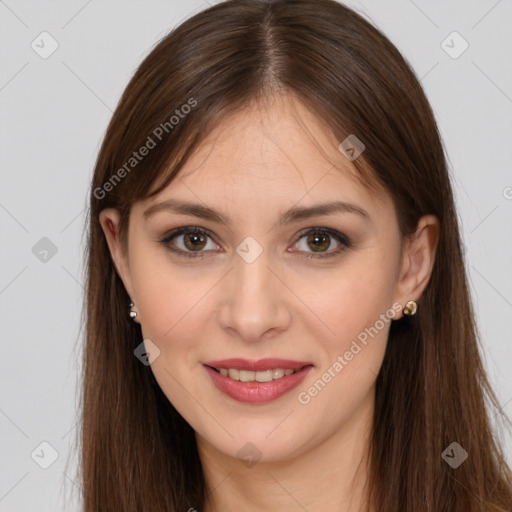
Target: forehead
[[268, 143], [273, 153]]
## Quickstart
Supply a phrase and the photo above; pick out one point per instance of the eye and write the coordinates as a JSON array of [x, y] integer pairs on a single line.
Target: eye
[[320, 239], [190, 241], [193, 241]]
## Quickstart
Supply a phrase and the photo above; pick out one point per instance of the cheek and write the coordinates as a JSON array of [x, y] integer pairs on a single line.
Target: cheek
[[168, 308], [358, 309], [173, 310], [162, 293], [356, 305], [354, 299]]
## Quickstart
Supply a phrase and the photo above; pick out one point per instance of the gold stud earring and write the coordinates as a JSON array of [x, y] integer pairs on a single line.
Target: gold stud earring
[[410, 308], [133, 314]]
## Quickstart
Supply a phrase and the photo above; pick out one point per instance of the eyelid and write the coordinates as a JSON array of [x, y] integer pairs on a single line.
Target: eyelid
[[343, 239]]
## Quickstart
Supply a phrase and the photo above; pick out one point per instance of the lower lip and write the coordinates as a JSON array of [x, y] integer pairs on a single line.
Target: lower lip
[[257, 392]]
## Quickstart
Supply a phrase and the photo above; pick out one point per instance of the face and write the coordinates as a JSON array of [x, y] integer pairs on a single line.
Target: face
[[265, 277]]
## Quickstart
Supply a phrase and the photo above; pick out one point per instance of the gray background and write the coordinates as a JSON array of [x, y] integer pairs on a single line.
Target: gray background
[[53, 114]]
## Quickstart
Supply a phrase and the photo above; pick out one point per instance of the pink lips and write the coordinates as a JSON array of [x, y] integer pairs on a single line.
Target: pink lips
[[257, 392]]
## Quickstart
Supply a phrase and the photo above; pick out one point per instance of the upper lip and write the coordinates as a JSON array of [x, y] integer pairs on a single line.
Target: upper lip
[[259, 365]]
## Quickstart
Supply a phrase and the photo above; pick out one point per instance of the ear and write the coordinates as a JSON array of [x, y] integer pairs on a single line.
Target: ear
[[418, 260], [110, 220]]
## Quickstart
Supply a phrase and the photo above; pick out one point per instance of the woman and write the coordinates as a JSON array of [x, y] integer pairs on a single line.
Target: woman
[[278, 316]]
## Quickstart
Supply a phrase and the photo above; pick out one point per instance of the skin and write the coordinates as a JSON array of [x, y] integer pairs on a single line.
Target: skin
[[254, 166]]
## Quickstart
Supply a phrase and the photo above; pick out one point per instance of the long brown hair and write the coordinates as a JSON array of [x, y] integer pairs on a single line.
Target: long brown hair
[[137, 452]]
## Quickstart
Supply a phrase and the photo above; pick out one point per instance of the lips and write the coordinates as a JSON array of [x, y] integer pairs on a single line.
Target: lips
[[256, 392]]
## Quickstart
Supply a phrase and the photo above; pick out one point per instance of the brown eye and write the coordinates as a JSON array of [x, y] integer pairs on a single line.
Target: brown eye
[[189, 242], [319, 242], [194, 241]]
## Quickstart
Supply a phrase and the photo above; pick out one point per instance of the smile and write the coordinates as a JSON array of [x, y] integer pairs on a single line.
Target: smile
[[250, 376], [256, 381]]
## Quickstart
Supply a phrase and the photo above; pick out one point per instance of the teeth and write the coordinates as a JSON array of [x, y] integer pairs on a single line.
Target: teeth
[[277, 373], [250, 376], [247, 376]]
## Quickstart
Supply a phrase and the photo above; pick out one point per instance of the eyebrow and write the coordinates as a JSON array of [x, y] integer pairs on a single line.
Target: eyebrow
[[294, 214]]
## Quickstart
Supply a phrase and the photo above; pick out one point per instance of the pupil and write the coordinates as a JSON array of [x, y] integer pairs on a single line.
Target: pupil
[[319, 241], [195, 238]]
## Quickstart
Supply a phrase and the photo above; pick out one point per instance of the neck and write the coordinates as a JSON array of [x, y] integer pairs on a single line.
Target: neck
[[330, 476]]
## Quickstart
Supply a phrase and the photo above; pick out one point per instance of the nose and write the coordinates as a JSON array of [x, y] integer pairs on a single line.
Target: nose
[[256, 301]]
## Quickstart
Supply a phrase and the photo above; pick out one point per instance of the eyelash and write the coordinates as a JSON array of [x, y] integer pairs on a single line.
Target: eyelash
[[340, 237]]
